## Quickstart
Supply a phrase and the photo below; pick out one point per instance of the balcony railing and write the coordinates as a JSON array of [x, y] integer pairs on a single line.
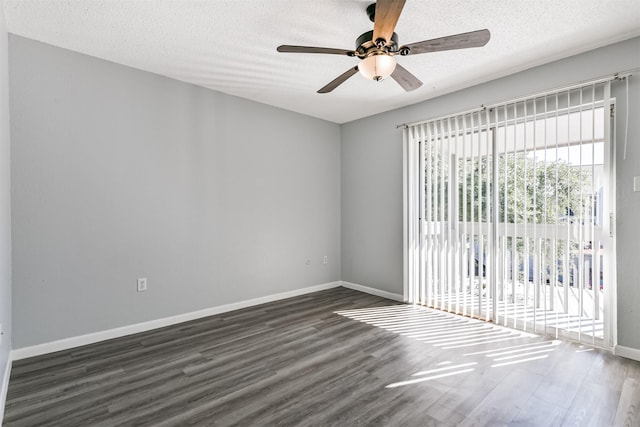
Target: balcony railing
[[538, 277]]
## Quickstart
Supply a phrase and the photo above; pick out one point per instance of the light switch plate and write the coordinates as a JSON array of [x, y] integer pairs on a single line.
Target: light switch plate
[[636, 183]]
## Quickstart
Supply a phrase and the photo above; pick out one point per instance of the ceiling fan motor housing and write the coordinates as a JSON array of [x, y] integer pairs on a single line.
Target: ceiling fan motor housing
[[365, 45]]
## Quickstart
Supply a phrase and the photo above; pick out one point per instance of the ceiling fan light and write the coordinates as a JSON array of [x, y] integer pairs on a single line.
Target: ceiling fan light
[[377, 67]]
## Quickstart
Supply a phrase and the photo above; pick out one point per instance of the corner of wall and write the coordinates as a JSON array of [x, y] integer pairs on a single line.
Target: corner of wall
[[5, 217], [4, 387], [373, 291], [628, 352]]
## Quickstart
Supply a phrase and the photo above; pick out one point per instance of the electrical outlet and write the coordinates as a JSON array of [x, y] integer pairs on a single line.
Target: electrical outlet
[[325, 260], [142, 284], [636, 183]]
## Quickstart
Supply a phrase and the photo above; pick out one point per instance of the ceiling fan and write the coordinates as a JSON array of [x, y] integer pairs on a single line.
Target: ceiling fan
[[377, 48]]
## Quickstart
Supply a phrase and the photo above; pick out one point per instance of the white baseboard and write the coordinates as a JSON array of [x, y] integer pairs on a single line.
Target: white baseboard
[[94, 337], [373, 291], [628, 352], [5, 386]]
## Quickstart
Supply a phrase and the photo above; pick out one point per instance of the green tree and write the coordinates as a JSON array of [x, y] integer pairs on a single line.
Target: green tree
[[530, 191]]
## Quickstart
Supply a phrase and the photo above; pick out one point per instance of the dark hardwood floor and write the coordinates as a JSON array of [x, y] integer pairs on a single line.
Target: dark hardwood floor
[[332, 358]]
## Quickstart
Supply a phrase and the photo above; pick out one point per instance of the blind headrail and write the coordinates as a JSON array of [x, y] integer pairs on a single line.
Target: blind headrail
[[623, 75]]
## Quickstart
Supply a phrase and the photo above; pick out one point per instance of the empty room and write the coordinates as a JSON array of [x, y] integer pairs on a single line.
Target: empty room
[[319, 213]]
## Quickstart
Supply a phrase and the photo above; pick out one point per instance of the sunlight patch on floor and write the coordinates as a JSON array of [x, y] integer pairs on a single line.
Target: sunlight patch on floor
[[449, 331]]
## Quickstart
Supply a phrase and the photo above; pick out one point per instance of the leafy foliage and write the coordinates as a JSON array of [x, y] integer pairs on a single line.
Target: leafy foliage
[[529, 190]]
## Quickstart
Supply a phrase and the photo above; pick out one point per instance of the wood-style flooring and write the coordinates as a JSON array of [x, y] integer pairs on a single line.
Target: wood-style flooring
[[331, 358]]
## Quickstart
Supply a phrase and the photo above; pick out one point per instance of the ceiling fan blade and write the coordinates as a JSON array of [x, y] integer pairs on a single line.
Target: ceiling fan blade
[[386, 18], [405, 79], [339, 80], [312, 49], [459, 41]]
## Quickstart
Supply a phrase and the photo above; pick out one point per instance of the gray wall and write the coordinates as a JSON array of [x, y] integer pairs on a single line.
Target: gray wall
[[5, 203], [119, 174], [372, 174]]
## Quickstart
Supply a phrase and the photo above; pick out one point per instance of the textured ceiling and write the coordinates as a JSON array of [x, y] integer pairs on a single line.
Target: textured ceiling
[[230, 45]]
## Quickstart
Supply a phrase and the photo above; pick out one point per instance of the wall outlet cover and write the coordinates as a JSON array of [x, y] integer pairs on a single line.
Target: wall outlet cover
[[142, 284]]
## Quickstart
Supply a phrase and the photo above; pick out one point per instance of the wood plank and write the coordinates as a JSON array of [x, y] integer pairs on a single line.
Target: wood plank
[[628, 411]]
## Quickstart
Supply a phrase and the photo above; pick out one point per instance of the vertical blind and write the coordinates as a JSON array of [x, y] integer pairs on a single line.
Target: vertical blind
[[507, 213]]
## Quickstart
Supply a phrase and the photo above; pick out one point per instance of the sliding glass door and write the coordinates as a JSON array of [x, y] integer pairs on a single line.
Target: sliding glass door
[[512, 207]]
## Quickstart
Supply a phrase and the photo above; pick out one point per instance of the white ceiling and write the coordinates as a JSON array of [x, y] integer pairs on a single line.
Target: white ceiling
[[230, 45]]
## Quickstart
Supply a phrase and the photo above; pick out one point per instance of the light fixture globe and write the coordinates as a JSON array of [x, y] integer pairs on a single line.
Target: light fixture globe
[[377, 67]]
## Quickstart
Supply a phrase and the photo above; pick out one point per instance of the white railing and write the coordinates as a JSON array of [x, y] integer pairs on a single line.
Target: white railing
[[541, 287]]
